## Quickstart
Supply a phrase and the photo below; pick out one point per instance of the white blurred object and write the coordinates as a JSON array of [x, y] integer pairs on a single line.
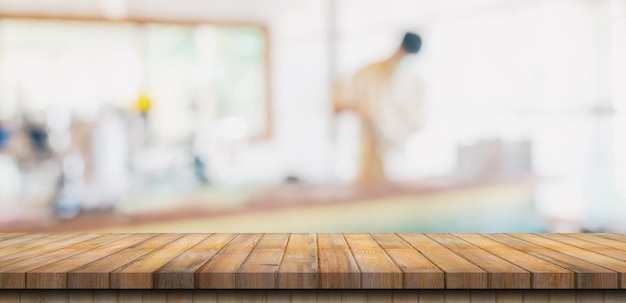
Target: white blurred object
[[348, 128], [227, 152], [562, 201], [489, 158], [59, 122], [10, 184], [72, 188], [110, 157], [114, 9], [231, 128]]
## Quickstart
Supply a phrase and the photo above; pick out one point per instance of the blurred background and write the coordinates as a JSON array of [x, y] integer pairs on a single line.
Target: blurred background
[[217, 116]]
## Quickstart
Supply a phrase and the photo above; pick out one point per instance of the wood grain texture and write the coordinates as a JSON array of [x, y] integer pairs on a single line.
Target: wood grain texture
[[85, 296], [460, 273], [600, 239], [544, 273], [338, 269], [377, 268], [260, 269], [220, 271], [618, 266], [594, 247], [14, 274], [139, 273], [180, 271], [12, 241], [7, 236], [285, 295], [9, 296], [417, 270], [502, 274], [54, 275], [588, 275], [37, 246], [299, 267], [95, 275], [174, 262]]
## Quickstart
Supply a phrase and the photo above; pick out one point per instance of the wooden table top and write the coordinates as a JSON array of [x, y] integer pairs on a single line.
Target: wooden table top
[[312, 261]]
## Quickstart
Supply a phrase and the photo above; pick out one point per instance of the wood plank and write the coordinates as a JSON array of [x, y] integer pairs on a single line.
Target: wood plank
[[377, 268], [254, 296], [180, 271], [154, 296], [536, 296], [260, 269], [562, 296], [589, 296], [7, 236], [32, 296], [95, 275], [129, 296], [588, 275], [613, 296], [105, 296], [9, 296], [204, 296], [460, 273], [613, 236], [379, 296], [544, 273], [588, 245], [353, 296], [509, 296], [57, 296], [19, 239], [138, 273], [179, 296], [338, 269], [229, 296], [299, 268], [417, 270], [434, 296], [220, 271], [81, 296], [304, 296], [38, 245], [457, 296], [482, 296], [14, 274], [342, 261], [54, 275], [502, 274], [601, 260], [405, 296], [599, 239], [329, 296]]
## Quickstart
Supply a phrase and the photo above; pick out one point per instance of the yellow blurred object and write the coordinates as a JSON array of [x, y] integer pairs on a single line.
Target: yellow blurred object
[[143, 104]]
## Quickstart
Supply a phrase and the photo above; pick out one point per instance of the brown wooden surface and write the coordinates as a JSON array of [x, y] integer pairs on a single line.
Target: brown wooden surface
[[313, 261], [314, 296]]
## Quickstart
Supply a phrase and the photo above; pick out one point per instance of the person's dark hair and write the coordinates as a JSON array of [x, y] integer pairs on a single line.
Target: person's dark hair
[[412, 43]]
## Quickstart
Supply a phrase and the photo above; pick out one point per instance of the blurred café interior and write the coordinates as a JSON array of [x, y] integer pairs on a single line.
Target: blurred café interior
[[221, 116]]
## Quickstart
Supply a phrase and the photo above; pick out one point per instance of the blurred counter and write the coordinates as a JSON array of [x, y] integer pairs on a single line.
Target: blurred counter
[[436, 205]]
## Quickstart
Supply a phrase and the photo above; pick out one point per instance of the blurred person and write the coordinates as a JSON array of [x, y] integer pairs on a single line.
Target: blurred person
[[388, 102], [38, 135]]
